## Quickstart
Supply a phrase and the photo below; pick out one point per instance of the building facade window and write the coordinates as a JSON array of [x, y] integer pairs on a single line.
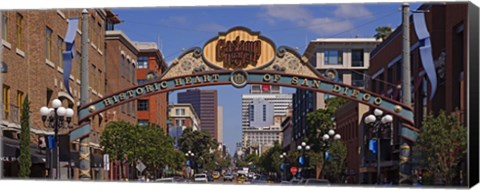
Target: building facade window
[[93, 77], [91, 32], [357, 79], [99, 36], [333, 57], [122, 64], [142, 122], [143, 62], [357, 58], [6, 102], [77, 67], [20, 32], [60, 51], [127, 70], [142, 105], [133, 73], [20, 100], [129, 110], [264, 112], [180, 111], [141, 81], [4, 26], [252, 113], [180, 122], [49, 43]]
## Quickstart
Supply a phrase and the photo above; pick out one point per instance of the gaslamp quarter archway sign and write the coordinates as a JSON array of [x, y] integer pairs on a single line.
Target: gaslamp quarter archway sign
[[239, 57]]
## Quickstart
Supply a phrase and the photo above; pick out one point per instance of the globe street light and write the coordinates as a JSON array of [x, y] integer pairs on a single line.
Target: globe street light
[[55, 118], [190, 156], [326, 143], [283, 156], [302, 148], [378, 122]]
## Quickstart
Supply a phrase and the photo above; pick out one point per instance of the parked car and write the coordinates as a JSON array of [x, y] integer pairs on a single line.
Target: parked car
[[285, 183], [313, 181], [241, 178], [216, 175], [200, 178], [296, 181], [165, 180], [228, 177], [257, 181]]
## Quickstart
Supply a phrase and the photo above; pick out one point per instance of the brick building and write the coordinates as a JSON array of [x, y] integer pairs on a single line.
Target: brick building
[[447, 24], [121, 64], [348, 119], [153, 109], [33, 42]]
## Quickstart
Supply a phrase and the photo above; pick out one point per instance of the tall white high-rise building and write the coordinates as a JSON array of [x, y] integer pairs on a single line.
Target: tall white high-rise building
[[220, 124], [262, 111]]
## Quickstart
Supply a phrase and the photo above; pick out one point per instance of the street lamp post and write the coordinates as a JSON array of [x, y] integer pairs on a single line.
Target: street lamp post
[[56, 119], [190, 156], [378, 122], [283, 156], [302, 148], [327, 140]]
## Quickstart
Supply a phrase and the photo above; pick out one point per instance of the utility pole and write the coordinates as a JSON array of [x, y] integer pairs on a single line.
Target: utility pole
[[84, 141], [406, 88]]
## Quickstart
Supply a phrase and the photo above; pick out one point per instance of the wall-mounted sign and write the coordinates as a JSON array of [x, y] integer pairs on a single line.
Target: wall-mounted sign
[[239, 49]]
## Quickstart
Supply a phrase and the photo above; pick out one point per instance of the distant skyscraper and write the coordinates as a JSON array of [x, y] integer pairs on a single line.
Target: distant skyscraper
[[262, 111], [204, 103], [220, 125]]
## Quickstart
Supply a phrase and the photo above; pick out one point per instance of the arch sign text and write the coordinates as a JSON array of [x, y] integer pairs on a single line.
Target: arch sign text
[[239, 57]]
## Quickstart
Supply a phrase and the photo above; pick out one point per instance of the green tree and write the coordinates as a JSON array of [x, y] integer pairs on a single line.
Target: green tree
[[201, 144], [382, 32], [25, 159], [320, 121], [115, 141], [443, 142], [270, 160], [335, 167]]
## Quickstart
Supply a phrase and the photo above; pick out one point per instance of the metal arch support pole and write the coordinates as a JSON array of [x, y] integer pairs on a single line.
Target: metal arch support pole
[[84, 141], [406, 80]]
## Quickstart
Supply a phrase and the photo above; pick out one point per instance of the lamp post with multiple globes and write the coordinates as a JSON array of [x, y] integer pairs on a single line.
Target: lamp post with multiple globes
[[55, 118], [378, 122]]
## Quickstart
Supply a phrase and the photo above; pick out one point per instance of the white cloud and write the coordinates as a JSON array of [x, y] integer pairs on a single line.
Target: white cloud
[[352, 11], [329, 25], [175, 21], [292, 13], [212, 27], [302, 17]]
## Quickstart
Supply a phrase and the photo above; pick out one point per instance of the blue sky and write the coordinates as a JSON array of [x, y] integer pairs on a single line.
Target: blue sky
[[175, 29]]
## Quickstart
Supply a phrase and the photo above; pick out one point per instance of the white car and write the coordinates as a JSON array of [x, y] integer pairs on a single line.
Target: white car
[[200, 178]]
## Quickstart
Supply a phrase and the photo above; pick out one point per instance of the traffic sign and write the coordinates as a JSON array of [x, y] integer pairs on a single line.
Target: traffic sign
[[293, 170], [141, 166]]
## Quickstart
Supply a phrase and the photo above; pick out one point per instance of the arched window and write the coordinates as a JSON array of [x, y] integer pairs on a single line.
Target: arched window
[[127, 70]]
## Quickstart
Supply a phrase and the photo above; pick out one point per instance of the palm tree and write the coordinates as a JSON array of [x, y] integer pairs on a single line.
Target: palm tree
[[382, 32]]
